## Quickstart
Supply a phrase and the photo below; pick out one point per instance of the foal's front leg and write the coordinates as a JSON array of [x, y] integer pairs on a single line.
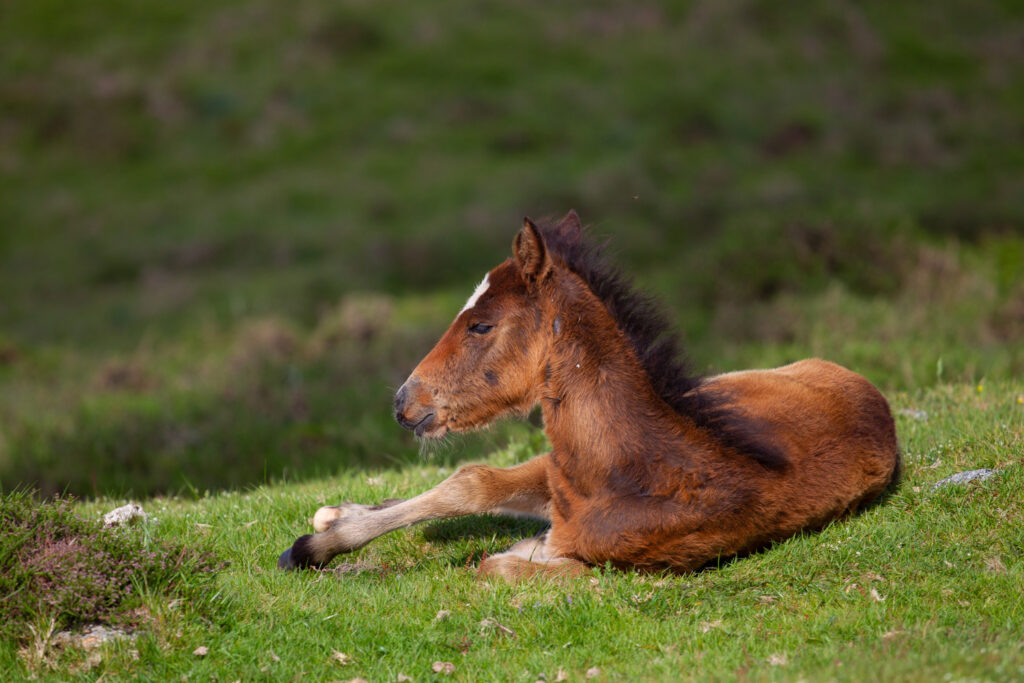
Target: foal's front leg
[[326, 516], [472, 489]]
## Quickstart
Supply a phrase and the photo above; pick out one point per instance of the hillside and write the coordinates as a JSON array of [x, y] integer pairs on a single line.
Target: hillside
[[229, 230]]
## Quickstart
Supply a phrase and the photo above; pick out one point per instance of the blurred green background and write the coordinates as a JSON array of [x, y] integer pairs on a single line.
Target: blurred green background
[[228, 230]]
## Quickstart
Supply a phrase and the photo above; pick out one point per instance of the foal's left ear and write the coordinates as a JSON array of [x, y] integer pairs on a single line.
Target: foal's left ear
[[531, 253]]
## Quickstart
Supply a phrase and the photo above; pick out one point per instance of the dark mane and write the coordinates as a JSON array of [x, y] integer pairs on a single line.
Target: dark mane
[[644, 323]]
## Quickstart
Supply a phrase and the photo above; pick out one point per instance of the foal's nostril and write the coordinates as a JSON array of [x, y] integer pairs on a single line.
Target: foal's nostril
[[400, 397]]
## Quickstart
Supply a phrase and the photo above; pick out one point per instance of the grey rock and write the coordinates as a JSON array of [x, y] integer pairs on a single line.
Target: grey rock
[[964, 477], [91, 636]]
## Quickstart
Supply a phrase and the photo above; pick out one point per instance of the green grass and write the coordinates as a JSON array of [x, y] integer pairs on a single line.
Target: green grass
[[923, 585]]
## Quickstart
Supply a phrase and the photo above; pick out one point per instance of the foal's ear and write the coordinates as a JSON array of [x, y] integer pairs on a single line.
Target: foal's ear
[[531, 253], [570, 225]]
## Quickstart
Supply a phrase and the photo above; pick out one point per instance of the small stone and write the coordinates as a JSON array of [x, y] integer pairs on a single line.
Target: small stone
[[201, 651], [442, 615], [91, 641], [446, 668], [915, 414], [593, 672], [964, 477], [341, 658], [402, 678], [124, 515]]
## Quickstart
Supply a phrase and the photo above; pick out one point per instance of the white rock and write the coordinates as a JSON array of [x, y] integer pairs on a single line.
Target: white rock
[[124, 515]]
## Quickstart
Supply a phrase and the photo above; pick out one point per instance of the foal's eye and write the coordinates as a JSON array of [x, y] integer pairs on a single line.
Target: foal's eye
[[481, 328]]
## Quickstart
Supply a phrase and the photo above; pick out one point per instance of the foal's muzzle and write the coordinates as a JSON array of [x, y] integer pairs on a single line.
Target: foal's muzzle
[[413, 414]]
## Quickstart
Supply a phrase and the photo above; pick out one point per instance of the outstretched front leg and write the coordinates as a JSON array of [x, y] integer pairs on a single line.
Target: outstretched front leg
[[327, 515], [473, 489]]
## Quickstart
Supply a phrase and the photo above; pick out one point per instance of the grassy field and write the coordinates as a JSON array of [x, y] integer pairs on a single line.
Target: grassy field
[[229, 230], [923, 586]]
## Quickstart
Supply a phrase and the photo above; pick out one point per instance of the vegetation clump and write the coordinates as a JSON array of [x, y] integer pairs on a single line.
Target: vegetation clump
[[58, 568]]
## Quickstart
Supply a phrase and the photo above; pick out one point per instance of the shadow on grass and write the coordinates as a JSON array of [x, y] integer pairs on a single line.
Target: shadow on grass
[[483, 526]]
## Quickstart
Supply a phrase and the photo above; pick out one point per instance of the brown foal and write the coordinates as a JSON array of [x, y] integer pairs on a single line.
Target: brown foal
[[650, 467]]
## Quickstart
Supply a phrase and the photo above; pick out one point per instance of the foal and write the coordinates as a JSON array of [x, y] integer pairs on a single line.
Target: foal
[[650, 467]]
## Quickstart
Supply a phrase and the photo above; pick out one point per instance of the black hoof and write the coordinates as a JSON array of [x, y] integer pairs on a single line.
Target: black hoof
[[286, 562], [298, 556]]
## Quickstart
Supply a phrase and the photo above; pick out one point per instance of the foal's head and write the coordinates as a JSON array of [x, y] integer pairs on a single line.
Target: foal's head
[[491, 360]]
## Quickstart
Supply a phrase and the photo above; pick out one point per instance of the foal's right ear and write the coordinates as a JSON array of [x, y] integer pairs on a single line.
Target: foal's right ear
[[531, 253]]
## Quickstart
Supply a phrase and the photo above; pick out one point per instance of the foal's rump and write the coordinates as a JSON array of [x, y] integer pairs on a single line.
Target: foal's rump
[[833, 425]]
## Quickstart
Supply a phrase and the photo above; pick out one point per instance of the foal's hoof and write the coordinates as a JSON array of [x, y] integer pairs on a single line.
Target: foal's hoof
[[285, 561], [296, 557]]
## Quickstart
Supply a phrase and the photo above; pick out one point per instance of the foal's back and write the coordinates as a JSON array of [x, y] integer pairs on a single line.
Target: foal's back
[[836, 429]]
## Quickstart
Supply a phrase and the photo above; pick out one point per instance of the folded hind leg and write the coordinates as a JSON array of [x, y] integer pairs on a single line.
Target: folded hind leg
[[528, 558], [472, 489]]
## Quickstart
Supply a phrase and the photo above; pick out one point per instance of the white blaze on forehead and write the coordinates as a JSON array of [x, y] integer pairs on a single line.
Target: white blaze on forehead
[[477, 293]]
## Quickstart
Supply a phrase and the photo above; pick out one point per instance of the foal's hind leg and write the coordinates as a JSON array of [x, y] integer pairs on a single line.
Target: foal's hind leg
[[473, 489], [530, 557]]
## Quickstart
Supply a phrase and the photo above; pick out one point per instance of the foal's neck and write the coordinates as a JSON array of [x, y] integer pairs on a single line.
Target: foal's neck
[[600, 409]]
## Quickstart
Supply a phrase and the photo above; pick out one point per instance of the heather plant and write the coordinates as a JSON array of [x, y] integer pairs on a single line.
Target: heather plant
[[56, 566]]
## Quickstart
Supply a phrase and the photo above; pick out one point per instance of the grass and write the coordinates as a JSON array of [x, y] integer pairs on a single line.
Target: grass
[[228, 231], [274, 400], [924, 585], [165, 168], [58, 570]]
